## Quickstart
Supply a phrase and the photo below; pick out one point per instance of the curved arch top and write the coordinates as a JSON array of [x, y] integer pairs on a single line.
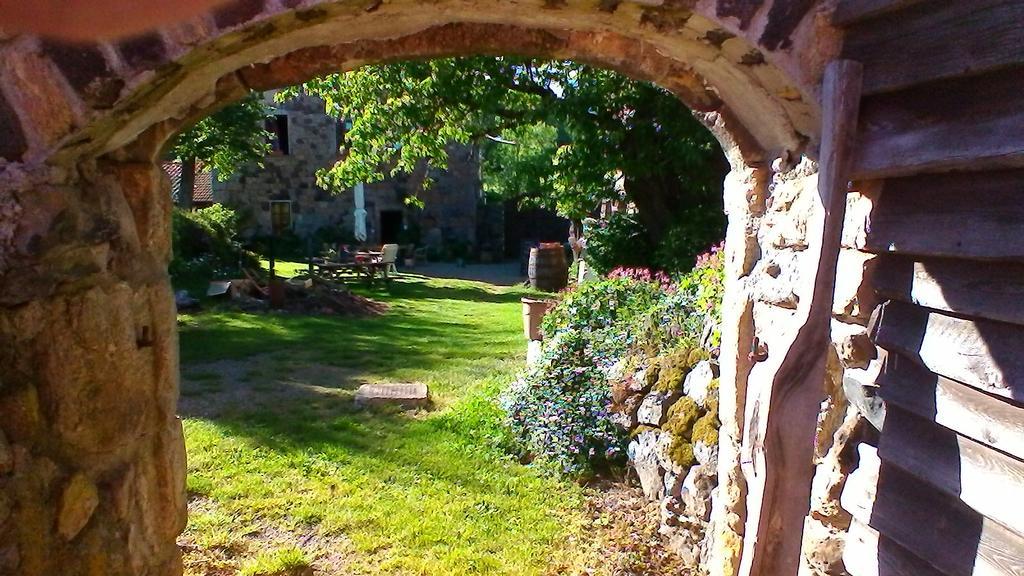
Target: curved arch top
[[755, 63]]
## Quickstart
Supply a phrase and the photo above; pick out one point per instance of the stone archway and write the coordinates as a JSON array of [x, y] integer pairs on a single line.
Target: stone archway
[[91, 449]]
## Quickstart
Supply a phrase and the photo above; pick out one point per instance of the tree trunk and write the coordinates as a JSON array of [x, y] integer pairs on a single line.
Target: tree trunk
[[187, 186]]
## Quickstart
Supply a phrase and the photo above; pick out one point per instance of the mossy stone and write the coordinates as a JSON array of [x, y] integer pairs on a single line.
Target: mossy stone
[[681, 417], [706, 429], [681, 453]]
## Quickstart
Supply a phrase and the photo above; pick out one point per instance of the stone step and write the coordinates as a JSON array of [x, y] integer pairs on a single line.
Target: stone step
[[406, 395]]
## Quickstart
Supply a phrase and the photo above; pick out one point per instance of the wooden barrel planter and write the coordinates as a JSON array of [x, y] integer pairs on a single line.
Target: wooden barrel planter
[[548, 269]]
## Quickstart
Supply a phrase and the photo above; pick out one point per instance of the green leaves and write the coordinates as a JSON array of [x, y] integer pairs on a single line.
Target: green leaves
[[227, 139], [554, 134]]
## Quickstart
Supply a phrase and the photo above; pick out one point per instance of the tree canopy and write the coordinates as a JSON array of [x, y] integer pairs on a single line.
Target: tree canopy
[[557, 134], [224, 141]]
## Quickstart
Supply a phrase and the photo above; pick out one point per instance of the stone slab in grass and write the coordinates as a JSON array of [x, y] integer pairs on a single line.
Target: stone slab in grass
[[404, 395]]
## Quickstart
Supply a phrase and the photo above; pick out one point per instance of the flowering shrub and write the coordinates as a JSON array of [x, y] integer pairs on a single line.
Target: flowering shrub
[[560, 409], [704, 287]]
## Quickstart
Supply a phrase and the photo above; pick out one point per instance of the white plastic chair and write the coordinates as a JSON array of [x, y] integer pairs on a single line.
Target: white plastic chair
[[388, 257]]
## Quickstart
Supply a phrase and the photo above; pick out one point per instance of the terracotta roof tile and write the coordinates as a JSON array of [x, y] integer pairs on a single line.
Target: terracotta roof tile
[[203, 191]]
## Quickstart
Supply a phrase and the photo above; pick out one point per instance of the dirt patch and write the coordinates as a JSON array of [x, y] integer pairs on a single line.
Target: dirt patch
[[624, 529], [327, 554], [307, 297]]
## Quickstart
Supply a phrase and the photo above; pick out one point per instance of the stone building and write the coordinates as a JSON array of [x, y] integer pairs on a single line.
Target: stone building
[[306, 140]]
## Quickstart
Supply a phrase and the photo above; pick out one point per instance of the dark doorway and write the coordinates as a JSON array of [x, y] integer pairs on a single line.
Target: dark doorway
[[390, 226]]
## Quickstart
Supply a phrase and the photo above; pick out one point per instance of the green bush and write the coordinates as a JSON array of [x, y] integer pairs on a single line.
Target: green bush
[[623, 242], [204, 245]]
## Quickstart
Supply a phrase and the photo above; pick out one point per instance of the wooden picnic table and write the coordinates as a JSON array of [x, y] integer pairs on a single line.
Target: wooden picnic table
[[340, 271]]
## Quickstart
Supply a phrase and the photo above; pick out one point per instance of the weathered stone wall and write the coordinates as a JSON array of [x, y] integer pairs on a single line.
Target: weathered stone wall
[[91, 462], [91, 452], [674, 447], [450, 204], [768, 271]]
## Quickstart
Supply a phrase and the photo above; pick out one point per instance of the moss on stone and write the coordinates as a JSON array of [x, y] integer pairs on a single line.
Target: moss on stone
[[681, 453], [681, 417], [641, 429], [697, 355], [653, 372], [711, 402], [706, 429], [674, 369]]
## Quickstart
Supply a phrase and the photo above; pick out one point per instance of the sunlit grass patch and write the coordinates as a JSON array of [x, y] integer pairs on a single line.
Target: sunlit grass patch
[[385, 492]]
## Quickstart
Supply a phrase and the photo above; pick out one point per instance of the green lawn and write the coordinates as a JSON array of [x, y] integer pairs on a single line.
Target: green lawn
[[284, 471]]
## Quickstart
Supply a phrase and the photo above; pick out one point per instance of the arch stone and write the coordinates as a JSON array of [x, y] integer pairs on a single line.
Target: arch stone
[[90, 447]]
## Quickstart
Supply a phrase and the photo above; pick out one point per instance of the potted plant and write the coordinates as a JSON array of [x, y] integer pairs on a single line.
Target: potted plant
[[534, 310]]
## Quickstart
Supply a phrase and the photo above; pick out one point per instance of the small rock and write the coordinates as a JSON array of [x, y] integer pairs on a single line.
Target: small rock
[[615, 371], [853, 345], [696, 494], [641, 452], [638, 382], [823, 548], [6, 455], [698, 382], [669, 515], [77, 504], [706, 455], [534, 351], [654, 408], [673, 484], [663, 451], [626, 415]]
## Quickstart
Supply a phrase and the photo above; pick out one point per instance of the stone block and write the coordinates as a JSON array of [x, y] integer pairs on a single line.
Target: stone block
[[407, 395], [706, 455], [77, 503], [642, 453], [855, 299], [853, 345], [698, 382], [653, 409], [696, 491]]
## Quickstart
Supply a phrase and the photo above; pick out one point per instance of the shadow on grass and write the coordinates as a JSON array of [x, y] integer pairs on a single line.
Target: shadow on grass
[[312, 422], [420, 330], [414, 286]]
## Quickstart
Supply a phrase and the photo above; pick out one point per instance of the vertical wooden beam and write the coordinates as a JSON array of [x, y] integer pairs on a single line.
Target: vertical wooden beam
[[788, 387]]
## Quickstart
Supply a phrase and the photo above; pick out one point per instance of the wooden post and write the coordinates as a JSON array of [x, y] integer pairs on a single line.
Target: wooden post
[[786, 389]]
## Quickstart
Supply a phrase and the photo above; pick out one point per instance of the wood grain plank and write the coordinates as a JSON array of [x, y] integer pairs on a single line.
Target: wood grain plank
[[962, 124], [980, 353], [988, 481], [781, 415], [932, 525], [868, 553], [966, 288], [959, 215], [936, 40], [987, 419]]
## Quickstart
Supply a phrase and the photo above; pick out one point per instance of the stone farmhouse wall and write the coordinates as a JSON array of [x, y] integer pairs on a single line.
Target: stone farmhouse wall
[[451, 204]]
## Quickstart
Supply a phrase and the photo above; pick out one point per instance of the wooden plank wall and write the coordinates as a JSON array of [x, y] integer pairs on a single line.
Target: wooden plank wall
[[942, 135]]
